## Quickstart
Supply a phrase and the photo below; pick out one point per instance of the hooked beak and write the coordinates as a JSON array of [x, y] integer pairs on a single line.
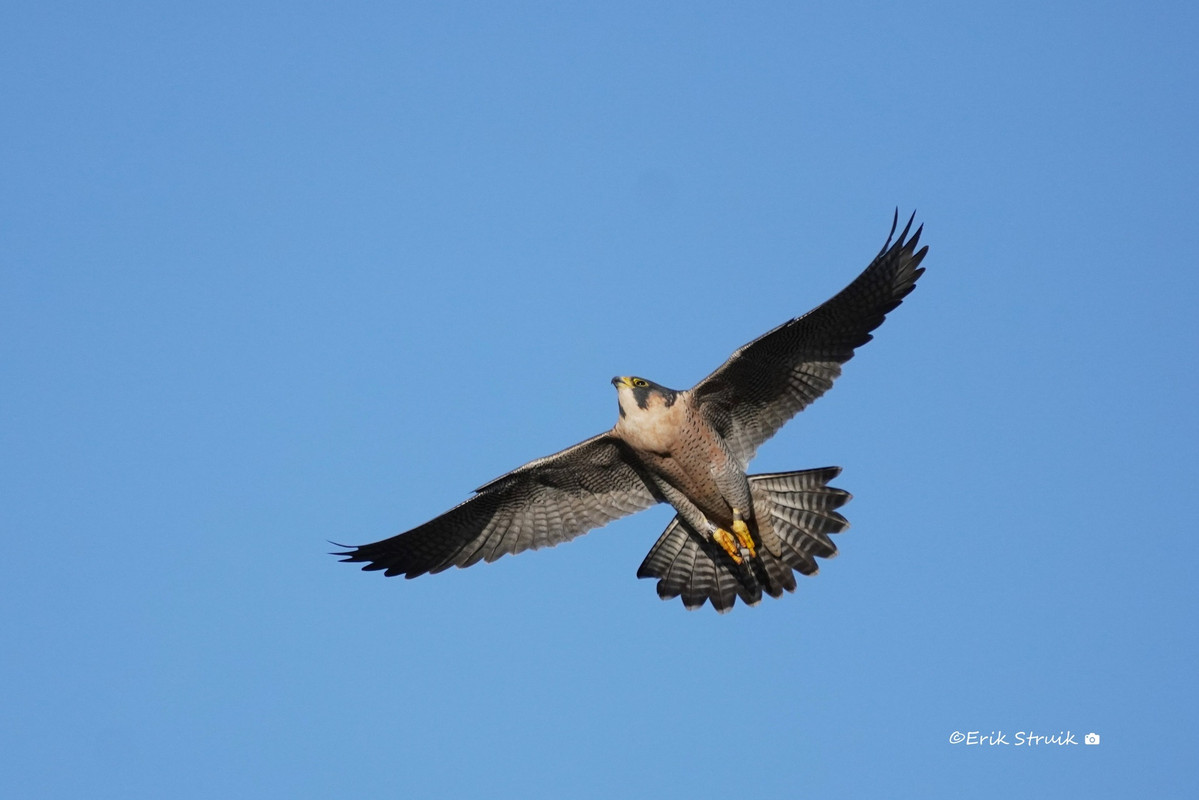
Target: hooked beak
[[621, 380]]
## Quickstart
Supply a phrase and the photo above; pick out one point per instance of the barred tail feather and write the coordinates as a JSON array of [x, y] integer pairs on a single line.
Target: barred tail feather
[[795, 513], [693, 567], [800, 510]]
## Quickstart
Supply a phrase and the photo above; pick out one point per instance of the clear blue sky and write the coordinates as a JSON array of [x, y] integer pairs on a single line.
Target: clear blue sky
[[273, 274]]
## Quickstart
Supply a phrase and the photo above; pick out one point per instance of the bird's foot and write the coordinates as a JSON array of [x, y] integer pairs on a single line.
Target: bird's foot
[[729, 545], [743, 535]]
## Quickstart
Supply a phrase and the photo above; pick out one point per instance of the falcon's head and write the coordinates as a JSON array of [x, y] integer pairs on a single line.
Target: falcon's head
[[637, 395]]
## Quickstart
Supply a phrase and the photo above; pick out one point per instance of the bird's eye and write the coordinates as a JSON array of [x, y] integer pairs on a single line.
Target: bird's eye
[[639, 383]]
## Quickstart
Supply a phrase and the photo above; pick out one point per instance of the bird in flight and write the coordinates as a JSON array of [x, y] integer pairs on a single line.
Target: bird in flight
[[734, 534]]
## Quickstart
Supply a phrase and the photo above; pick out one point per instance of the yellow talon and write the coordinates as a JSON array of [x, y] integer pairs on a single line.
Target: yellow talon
[[725, 540], [743, 535]]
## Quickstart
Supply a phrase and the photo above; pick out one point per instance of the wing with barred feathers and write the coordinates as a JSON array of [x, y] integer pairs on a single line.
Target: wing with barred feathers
[[777, 375], [543, 503]]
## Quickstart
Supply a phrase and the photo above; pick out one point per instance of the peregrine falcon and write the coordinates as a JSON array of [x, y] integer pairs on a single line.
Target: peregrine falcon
[[734, 535]]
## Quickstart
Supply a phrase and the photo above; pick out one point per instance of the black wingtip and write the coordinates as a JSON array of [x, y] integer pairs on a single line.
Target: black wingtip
[[891, 233], [903, 242], [915, 240], [352, 553], [903, 236]]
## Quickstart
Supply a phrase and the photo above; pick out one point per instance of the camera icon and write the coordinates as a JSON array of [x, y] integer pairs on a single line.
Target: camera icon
[[1091, 738]]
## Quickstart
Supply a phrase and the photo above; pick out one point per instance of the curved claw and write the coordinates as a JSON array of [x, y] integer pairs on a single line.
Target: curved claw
[[726, 542], [743, 535]]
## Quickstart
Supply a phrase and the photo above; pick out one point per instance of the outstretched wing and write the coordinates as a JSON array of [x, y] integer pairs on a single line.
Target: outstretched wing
[[545, 502], [777, 375]]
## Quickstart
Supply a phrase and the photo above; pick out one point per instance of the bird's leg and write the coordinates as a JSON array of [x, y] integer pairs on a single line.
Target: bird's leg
[[740, 543], [724, 539], [727, 543], [743, 535]]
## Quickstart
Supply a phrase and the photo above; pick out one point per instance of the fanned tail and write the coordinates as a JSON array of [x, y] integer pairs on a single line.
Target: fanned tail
[[794, 513]]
